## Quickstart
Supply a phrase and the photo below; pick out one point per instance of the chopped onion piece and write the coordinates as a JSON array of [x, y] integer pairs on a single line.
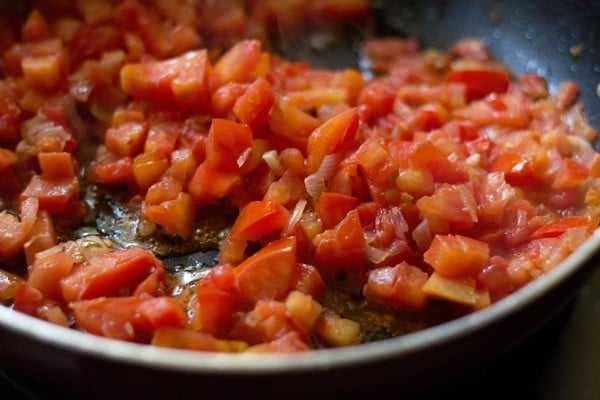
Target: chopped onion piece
[[244, 157], [376, 255], [272, 160], [315, 183], [295, 216], [400, 224]]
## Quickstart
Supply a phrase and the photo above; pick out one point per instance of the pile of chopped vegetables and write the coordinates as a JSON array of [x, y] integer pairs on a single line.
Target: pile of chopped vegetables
[[364, 206]]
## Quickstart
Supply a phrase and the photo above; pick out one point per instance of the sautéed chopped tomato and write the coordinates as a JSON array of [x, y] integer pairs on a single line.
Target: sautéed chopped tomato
[[365, 207]]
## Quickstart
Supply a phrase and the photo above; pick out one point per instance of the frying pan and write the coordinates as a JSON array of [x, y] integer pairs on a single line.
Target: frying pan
[[534, 36]]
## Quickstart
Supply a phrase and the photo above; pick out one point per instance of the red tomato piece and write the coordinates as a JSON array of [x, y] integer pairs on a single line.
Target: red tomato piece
[[308, 280], [517, 170], [481, 82], [291, 342], [228, 146], [238, 64], [492, 194], [162, 137], [379, 169], [252, 108], [496, 279], [215, 308], [91, 41], [127, 318], [257, 219], [56, 165], [190, 86], [332, 136], [46, 71], [267, 321], [118, 171], [127, 140], [570, 174], [288, 121], [31, 301], [161, 311], [13, 233], [304, 311], [42, 236], [379, 96], [209, 184], [457, 255], [223, 99], [109, 274], [45, 274], [9, 119], [340, 252], [398, 287], [181, 81], [148, 168], [167, 188], [177, 216], [333, 208], [268, 273], [53, 195], [35, 27], [428, 157], [451, 208]]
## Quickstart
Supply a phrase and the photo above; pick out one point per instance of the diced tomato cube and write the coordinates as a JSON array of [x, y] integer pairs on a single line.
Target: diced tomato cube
[[332, 136], [178, 81], [252, 108], [451, 208], [398, 287], [53, 195], [177, 216], [56, 165], [108, 275], [238, 64], [127, 140], [149, 167], [268, 273], [340, 253], [481, 82], [117, 171], [45, 273], [457, 255], [333, 208], [127, 318], [228, 142]]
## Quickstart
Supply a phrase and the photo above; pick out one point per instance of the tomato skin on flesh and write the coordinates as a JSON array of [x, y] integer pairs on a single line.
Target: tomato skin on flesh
[[108, 274], [182, 81], [481, 82], [340, 253], [268, 273], [127, 318], [456, 255]]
